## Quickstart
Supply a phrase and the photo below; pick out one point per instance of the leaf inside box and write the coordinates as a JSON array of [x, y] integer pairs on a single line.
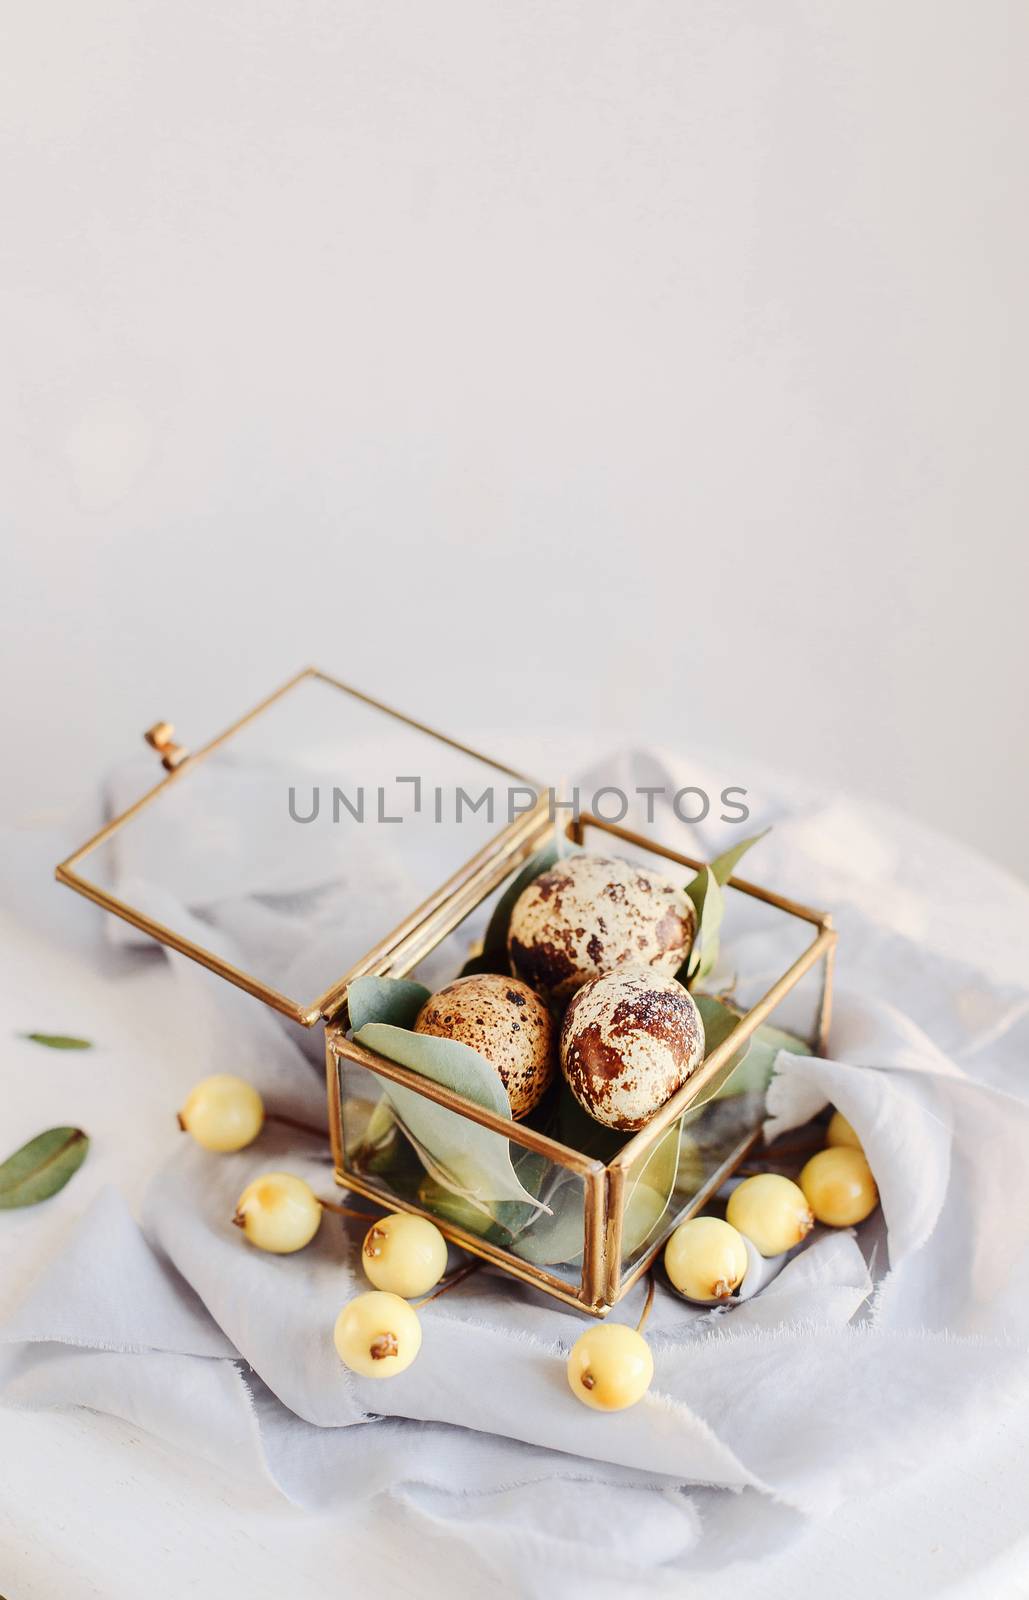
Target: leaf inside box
[[705, 890], [493, 956], [393, 1000], [749, 1069], [473, 1162], [479, 1180]]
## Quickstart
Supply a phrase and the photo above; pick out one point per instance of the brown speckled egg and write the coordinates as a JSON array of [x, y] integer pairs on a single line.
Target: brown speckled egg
[[591, 914], [506, 1023], [629, 1040]]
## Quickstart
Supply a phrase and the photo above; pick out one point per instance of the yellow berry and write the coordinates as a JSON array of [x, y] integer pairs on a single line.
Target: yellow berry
[[279, 1213], [377, 1335], [771, 1211], [706, 1259], [404, 1255], [839, 1187], [610, 1367], [223, 1113], [840, 1133]]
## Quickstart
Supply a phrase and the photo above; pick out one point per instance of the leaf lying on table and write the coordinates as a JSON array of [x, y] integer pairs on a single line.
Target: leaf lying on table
[[474, 1162], [493, 957], [59, 1041], [41, 1167], [705, 890]]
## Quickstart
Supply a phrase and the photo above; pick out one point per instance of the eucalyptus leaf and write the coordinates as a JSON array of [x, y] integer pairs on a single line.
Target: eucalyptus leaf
[[493, 957], [474, 1161], [765, 1044], [371, 1127], [723, 866], [446, 1062], [41, 1167], [394, 1000], [705, 890], [710, 910], [574, 1127], [749, 1069], [719, 1022], [557, 1239], [648, 1189], [59, 1041], [459, 1210]]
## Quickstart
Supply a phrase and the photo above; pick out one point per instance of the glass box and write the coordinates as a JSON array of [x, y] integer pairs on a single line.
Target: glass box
[[286, 821]]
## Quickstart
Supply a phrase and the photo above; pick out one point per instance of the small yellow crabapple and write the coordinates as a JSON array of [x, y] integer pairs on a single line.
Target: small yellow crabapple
[[610, 1367], [840, 1133], [223, 1113], [278, 1212], [404, 1255], [771, 1211], [706, 1259], [839, 1186], [377, 1335]]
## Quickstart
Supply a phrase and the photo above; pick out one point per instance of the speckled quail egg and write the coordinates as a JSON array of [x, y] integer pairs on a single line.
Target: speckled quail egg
[[590, 914], [506, 1023], [629, 1040]]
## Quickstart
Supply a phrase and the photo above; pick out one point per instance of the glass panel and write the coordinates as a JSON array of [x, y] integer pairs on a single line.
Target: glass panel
[[300, 843], [757, 944], [664, 1184], [468, 1179]]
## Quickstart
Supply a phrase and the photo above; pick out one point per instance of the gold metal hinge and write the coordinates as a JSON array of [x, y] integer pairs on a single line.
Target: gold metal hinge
[[159, 738]]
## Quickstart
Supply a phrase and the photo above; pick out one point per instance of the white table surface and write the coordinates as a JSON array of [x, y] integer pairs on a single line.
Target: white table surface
[[90, 1506]]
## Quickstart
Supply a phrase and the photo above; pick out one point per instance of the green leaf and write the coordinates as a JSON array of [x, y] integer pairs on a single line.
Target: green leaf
[[493, 957], [557, 1239], [59, 1041], [459, 1210], [749, 1069], [394, 1000], [705, 890], [724, 865], [41, 1167], [710, 910], [574, 1127], [447, 1062], [473, 1161], [765, 1044]]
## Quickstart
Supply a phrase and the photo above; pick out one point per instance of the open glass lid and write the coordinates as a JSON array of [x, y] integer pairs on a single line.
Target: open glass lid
[[320, 836]]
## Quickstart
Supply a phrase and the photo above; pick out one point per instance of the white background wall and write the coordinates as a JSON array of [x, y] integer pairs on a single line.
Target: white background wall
[[660, 366]]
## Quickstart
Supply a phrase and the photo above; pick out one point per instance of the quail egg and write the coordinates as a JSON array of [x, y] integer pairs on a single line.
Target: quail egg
[[507, 1023], [591, 914], [629, 1040]]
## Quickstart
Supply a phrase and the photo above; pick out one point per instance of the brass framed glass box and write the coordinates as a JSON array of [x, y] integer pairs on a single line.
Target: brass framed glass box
[[578, 1220]]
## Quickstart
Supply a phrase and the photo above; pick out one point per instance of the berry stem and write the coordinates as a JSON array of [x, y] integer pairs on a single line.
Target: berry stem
[[448, 1283], [648, 1303], [346, 1211], [294, 1122]]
